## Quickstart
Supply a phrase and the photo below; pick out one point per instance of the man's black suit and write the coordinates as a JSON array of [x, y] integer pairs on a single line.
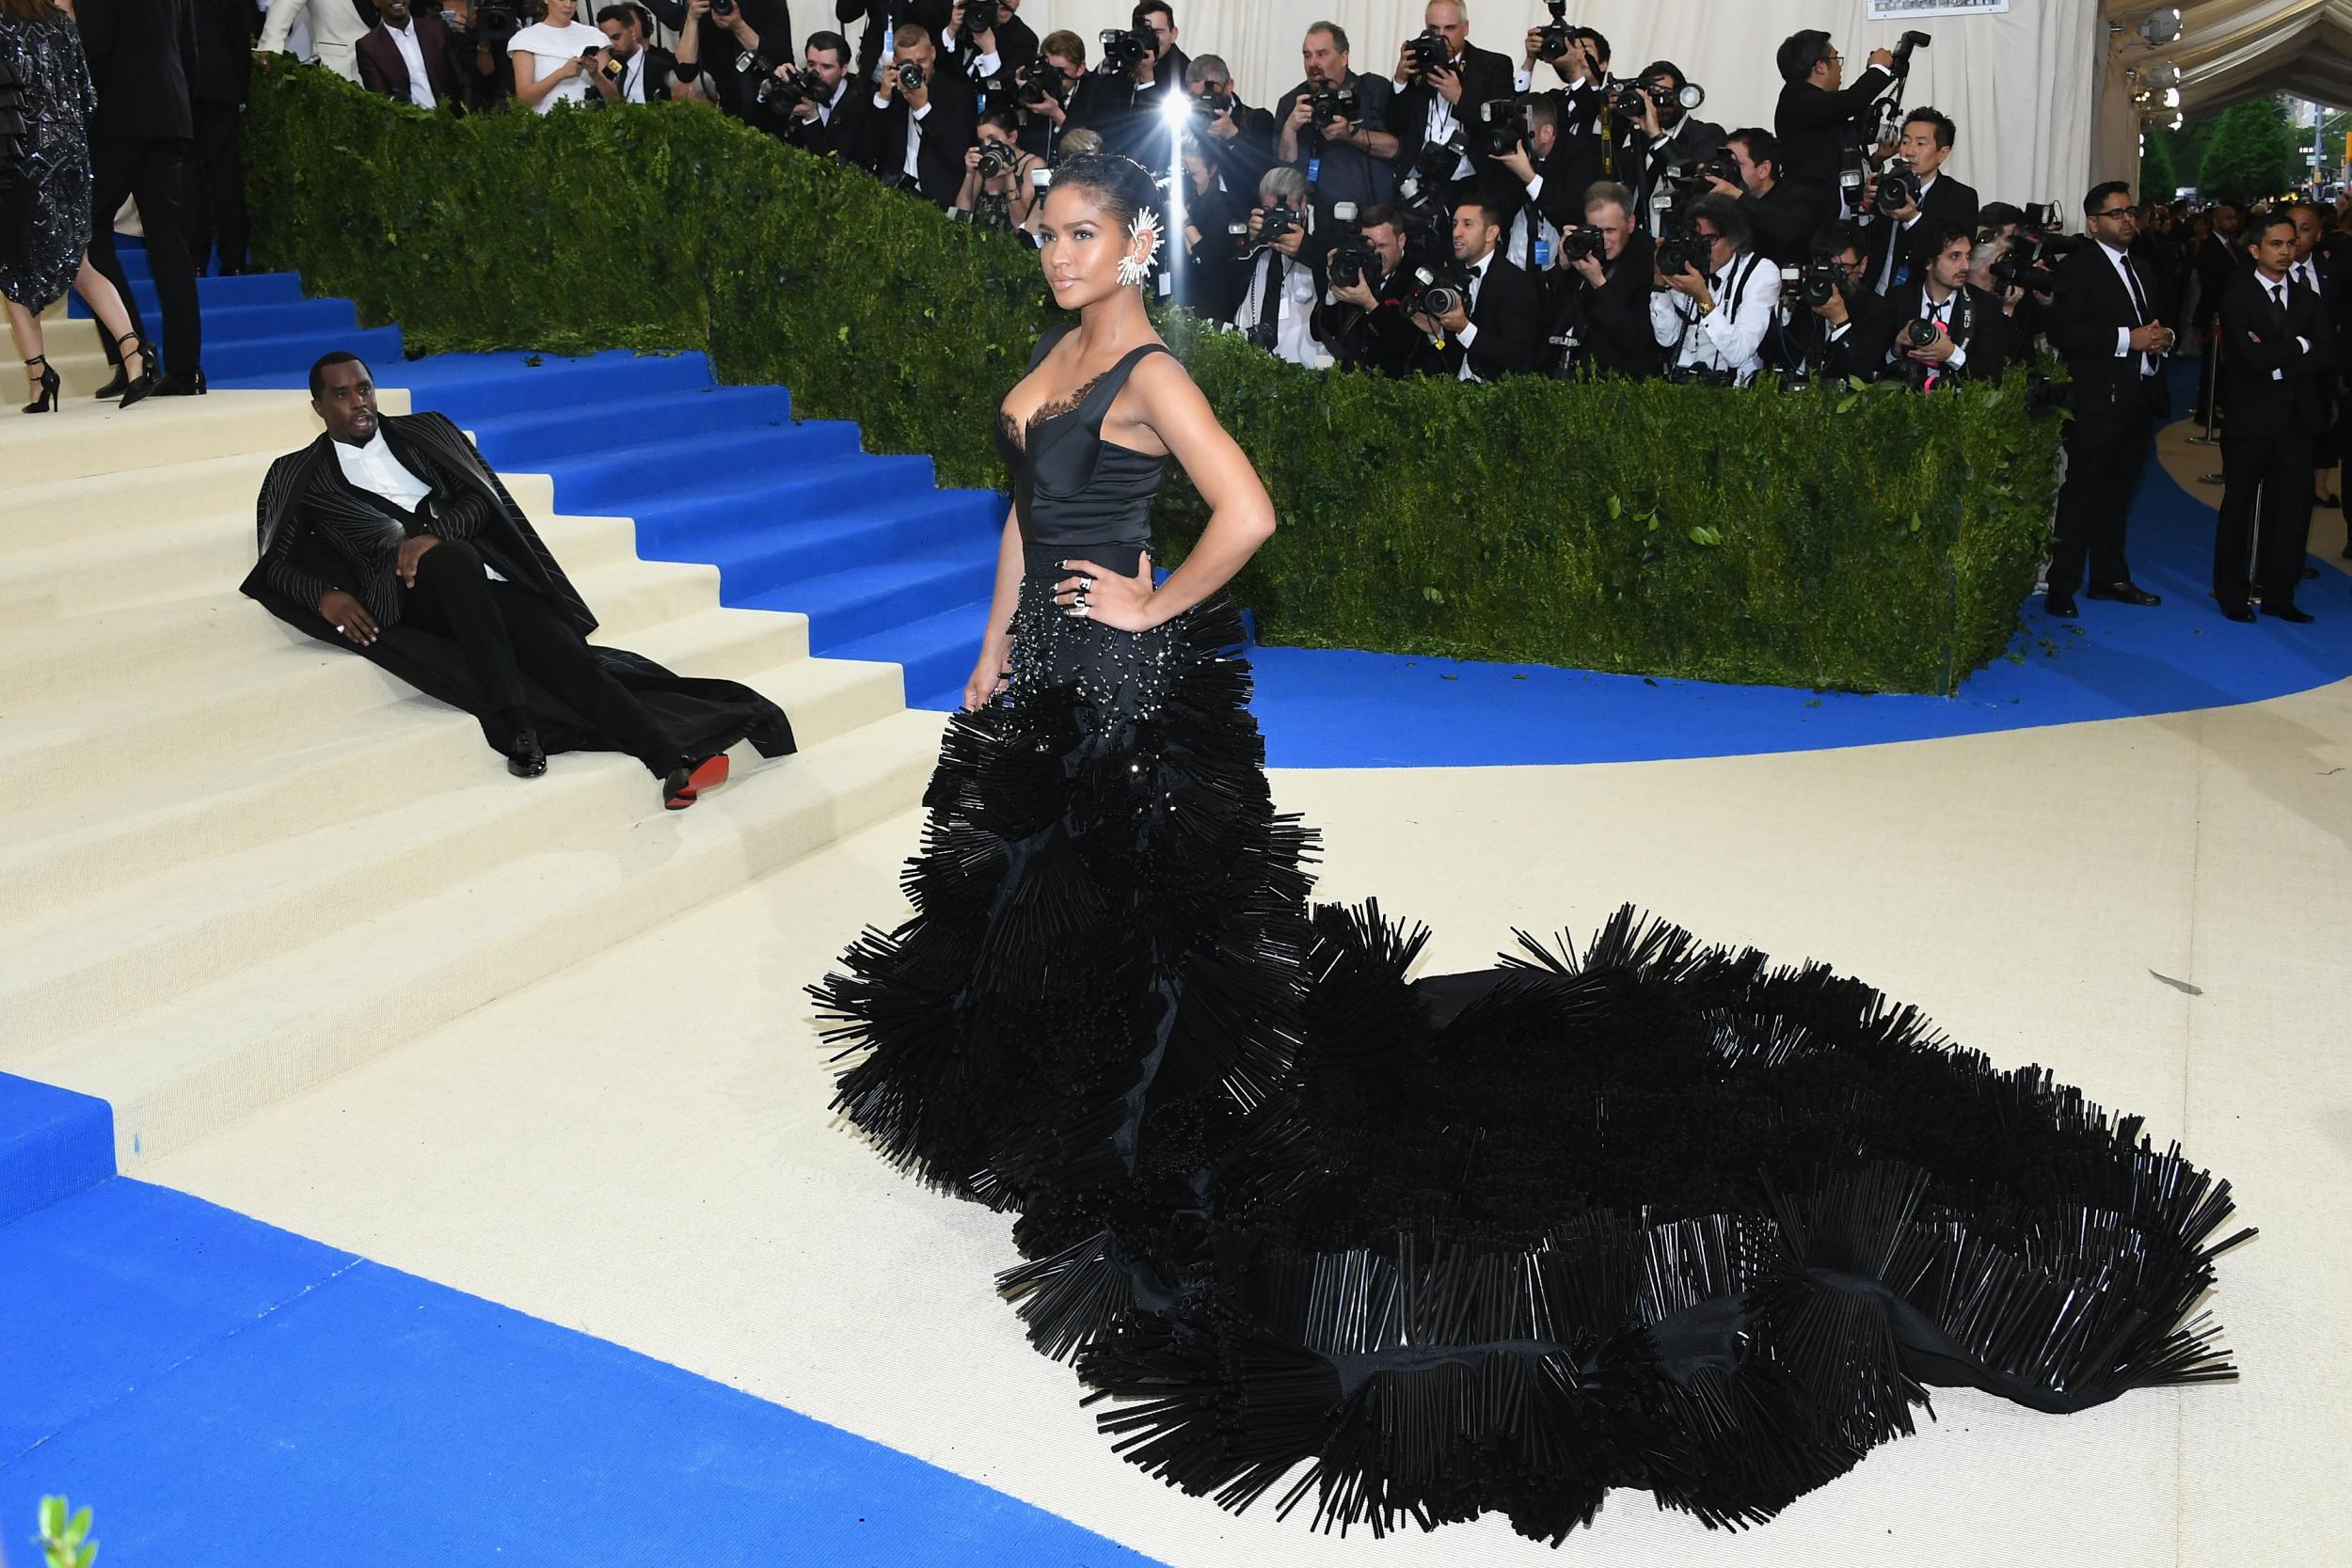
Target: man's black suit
[[382, 69], [2320, 274], [1611, 323], [1484, 75], [1946, 200], [950, 127], [143, 58], [1594, 143], [2277, 364], [225, 33], [2114, 398], [1815, 128], [881, 17], [1858, 353], [1380, 341], [1016, 45], [1786, 218], [1691, 142], [512, 652], [1977, 327], [2216, 261], [837, 133], [1507, 310]]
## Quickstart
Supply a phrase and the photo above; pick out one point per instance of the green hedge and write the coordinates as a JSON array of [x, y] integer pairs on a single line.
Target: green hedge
[[1871, 541]]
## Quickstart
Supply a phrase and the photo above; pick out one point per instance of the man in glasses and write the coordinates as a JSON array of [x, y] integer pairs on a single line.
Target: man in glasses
[[1852, 332], [2104, 320], [1815, 118]]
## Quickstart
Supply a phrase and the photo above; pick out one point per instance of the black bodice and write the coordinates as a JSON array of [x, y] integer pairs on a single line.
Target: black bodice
[[1071, 488]]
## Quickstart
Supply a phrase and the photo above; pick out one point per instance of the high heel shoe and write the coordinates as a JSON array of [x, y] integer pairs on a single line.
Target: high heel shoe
[[47, 402], [143, 384]]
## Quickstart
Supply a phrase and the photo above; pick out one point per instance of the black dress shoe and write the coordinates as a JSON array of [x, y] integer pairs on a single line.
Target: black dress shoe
[[2310, 574], [2122, 592], [691, 777], [182, 384], [2327, 501], [2241, 612], [2062, 606], [2289, 613], [525, 757], [119, 383]]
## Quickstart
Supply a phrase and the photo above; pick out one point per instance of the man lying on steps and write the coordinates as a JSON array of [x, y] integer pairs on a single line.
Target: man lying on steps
[[392, 536]]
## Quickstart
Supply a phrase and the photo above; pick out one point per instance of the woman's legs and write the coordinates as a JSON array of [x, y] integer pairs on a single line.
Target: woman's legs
[[105, 303], [24, 329]]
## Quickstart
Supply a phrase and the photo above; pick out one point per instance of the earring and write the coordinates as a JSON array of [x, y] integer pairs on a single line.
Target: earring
[[1134, 271]]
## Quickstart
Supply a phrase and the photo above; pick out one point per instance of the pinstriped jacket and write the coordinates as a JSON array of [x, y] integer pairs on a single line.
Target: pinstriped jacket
[[315, 531]]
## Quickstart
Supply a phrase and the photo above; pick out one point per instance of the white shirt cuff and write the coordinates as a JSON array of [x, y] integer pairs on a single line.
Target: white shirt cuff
[[881, 101], [1959, 359], [1534, 187], [1469, 334], [2123, 341], [921, 112], [988, 64], [1523, 80]]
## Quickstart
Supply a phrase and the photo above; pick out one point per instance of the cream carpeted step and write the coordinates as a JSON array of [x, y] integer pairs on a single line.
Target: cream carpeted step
[[234, 861]]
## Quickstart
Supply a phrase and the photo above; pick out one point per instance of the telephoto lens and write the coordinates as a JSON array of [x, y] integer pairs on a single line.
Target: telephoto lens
[[1919, 332]]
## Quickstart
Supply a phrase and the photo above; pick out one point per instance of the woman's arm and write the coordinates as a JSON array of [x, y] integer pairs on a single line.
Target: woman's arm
[[530, 85], [996, 642]]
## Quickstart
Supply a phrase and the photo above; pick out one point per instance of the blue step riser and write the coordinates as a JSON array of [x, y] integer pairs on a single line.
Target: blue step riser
[[283, 318], [783, 562], [831, 625], [534, 439], [731, 458], [261, 356], [53, 1144], [259, 289], [723, 526]]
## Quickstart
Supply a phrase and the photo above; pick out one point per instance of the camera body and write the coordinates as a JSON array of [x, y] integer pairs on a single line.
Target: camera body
[[1037, 82], [1436, 289], [1816, 283], [1352, 261], [610, 70], [1125, 48], [1903, 51], [1425, 52], [1898, 188], [1701, 376], [723, 8], [1919, 332], [496, 20], [1508, 122], [1579, 243], [911, 75], [1557, 34], [1330, 103], [1278, 220], [998, 159], [1683, 252], [1210, 105], [1420, 193]]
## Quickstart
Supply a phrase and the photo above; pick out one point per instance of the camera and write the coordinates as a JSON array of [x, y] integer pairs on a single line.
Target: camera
[[1125, 48], [1701, 376], [1352, 261], [1330, 103], [1277, 221], [1898, 188], [610, 70], [751, 63], [496, 20], [1577, 243], [1210, 105], [1625, 97], [1556, 34], [1509, 121], [1425, 52], [1718, 165], [1816, 283], [911, 77], [1421, 191], [997, 159], [1437, 290], [787, 92], [1919, 332], [2042, 215], [1903, 51], [723, 8], [1683, 252], [1037, 81]]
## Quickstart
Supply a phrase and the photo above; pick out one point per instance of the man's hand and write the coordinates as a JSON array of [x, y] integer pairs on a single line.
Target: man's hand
[[412, 551], [1340, 132], [349, 616], [971, 160], [1404, 71], [1221, 125], [984, 39], [1147, 70], [1359, 293], [1725, 188], [1455, 320], [1302, 111], [1535, 47], [1051, 109], [1904, 214], [1883, 58], [1518, 163], [1448, 81], [1832, 309], [1590, 269], [1291, 240], [2154, 338], [1935, 353], [919, 98], [1691, 284], [1649, 116]]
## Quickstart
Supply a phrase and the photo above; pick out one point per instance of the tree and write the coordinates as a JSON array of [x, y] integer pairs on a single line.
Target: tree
[[2253, 152], [2157, 180]]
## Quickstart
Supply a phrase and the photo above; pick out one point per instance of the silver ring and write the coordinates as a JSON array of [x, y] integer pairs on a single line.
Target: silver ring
[[339, 629]]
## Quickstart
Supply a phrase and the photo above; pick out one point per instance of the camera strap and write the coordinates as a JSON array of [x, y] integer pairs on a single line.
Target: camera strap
[[1688, 312]]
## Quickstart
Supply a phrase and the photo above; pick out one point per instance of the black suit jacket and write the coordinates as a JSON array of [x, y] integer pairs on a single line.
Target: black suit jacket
[[1813, 125], [2258, 339], [1509, 318], [2090, 308], [382, 69], [1787, 216], [1016, 44], [1691, 141], [1485, 74], [225, 34], [839, 135], [1859, 352], [947, 130], [1946, 200], [1985, 334], [143, 57], [1611, 323], [880, 16], [2214, 264]]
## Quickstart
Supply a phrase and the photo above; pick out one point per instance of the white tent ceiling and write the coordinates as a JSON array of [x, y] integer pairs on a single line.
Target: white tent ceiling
[[2232, 50]]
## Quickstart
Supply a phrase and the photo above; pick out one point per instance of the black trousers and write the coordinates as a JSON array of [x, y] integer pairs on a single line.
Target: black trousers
[[2267, 474], [508, 632], [217, 186], [155, 174], [2107, 446]]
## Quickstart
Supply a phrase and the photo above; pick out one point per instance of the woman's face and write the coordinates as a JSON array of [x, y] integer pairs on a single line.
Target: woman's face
[[560, 12], [1081, 247]]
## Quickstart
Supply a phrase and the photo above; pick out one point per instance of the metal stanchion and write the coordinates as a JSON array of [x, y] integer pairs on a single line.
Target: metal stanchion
[[2213, 389]]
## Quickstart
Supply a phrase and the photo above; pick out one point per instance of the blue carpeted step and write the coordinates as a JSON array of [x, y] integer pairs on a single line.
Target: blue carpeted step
[[260, 288], [722, 458], [519, 439], [276, 318], [470, 386], [936, 653], [819, 539], [740, 514], [286, 361], [53, 1143], [846, 607]]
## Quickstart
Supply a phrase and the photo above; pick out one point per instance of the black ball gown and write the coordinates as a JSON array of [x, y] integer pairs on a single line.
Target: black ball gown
[[1642, 1213]]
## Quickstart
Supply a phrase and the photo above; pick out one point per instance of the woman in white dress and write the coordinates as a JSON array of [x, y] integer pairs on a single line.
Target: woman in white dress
[[548, 67]]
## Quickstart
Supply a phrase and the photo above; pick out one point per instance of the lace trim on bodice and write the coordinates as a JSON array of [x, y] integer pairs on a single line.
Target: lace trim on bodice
[[1053, 408]]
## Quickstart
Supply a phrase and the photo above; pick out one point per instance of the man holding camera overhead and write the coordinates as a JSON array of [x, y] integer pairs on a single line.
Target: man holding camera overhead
[[1441, 78], [1715, 299], [922, 122], [1333, 126], [1672, 139], [1594, 143], [1912, 191], [1819, 119]]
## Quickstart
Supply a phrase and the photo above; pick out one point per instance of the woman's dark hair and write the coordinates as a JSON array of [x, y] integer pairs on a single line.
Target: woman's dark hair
[[31, 11], [1120, 183]]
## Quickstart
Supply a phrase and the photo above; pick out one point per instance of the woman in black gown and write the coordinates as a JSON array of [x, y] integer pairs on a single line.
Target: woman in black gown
[[1645, 1214]]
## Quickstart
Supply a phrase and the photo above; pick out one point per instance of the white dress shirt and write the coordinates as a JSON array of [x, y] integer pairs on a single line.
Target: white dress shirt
[[374, 469], [1731, 336], [420, 82], [633, 78], [1520, 247], [2134, 289], [1294, 283], [1441, 122], [1942, 316]]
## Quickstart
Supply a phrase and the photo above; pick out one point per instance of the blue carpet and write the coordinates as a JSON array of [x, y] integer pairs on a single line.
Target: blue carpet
[[890, 568], [223, 1392]]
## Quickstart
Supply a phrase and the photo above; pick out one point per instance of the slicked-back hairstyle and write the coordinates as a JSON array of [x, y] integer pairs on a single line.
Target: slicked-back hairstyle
[[318, 370]]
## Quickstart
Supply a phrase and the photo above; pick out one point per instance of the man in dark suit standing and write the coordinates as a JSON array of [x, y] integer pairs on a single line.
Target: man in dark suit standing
[[142, 56], [1428, 106], [2218, 260], [1816, 117], [922, 122], [1002, 43], [1499, 329], [1926, 145], [1972, 341], [1670, 139], [2103, 321], [2279, 358], [225, 31], [406, 57], [2314, 272]]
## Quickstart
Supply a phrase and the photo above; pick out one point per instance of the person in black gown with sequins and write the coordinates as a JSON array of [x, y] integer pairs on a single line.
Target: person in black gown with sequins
[[1642, 1213]]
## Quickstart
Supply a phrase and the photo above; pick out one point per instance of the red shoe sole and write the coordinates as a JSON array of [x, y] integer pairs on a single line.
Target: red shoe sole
[[710, 775]]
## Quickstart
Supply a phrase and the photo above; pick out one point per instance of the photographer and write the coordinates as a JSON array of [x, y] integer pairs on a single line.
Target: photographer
[[647, 74], [1819, 121], [1279, 296], [1930, 193], [1546, 206], [828, 120], [1671, 141], [1209, 283], [1985, 272], [726, 30], [1947, 328], [1001, 42], [1595, 142], [1056, 96], [1786, 214], [882, 20], [1333, 126], [1440, 79], [1844, 332], [1603, 308], [1238, 139], [997, 190], [2104, 323], [921, 123], [2280, 360], [1360, 322], [1497, 327], [1712, 314], [1162, 72], [486, 75], [552, 58]]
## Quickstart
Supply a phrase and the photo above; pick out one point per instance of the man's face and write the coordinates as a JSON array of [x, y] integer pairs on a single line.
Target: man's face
[[922, 52], [828, 67], [622, 37], [2274, 249], [1542, 140], [1388, 243], [1718, 248], [1614, 226], [2306, 232], [1070, 70], [346, 402], [1919, 150], [1850, 263], [1325, 61], [2115, 222], [1208, 86], [1445, 19], [1473, 234], [1830, 72], [1007, 10], [394, 12], [1951, 267], [1163, 28], [1671, 113], [2226, 220], [1753, 176]]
